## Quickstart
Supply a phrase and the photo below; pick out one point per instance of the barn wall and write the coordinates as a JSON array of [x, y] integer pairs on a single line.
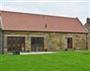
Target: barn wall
[[0, 35], [52, 41], [0, 40], [89, 40]]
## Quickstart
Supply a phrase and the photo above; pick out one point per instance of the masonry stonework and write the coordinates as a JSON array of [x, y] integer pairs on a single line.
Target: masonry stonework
[[52, 41]]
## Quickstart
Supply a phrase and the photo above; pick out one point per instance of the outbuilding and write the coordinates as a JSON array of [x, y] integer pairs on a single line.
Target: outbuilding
[[28, 32]]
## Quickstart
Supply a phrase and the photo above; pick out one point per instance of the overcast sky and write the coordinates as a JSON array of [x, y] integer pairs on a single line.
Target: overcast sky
[[71, 8]]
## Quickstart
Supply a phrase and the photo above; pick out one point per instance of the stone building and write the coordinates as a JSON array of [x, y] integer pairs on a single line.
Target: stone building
[[34, 32], [87, 25]]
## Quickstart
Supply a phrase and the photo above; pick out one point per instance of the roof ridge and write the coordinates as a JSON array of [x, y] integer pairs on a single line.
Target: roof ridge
[[39, 14]]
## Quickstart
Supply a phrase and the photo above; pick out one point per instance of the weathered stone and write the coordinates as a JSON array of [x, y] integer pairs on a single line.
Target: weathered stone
[[52, 41]]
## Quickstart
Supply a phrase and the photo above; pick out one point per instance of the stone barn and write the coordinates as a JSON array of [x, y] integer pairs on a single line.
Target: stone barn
[[87, 25], [28, 32]]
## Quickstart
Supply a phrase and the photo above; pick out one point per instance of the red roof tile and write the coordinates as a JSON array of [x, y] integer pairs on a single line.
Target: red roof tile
[[16, 21]]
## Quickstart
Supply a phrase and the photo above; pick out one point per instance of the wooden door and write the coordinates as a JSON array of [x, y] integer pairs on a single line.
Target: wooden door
[[69, 43]]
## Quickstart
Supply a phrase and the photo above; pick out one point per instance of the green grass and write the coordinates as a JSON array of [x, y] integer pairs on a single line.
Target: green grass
[[60, 61]]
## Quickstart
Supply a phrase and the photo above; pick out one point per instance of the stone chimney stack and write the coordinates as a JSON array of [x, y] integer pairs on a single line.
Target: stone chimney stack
[[87, 24], [88, 20]]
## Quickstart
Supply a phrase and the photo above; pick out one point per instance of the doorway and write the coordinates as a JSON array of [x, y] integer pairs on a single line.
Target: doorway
[[37, 43], [69, 43], [15, 44]]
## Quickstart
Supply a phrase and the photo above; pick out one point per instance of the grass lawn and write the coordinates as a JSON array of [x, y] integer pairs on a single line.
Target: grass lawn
[[60, 61]]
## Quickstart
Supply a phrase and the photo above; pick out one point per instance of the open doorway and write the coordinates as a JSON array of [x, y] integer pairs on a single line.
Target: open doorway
[[37, 43], [69, 43], [15, 44]]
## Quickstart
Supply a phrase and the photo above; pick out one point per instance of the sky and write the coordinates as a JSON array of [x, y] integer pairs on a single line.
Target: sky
[[71, 8]]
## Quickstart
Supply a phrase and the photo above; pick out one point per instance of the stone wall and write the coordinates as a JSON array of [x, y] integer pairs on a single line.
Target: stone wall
[[52, 41], [0, 35], [0, 40], [89, 40]]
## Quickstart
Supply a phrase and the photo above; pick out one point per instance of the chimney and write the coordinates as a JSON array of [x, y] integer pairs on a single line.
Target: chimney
[[88, 20], [88, 24]]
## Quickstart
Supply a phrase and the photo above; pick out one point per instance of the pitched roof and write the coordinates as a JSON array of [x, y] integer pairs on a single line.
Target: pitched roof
[[16, 21]]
